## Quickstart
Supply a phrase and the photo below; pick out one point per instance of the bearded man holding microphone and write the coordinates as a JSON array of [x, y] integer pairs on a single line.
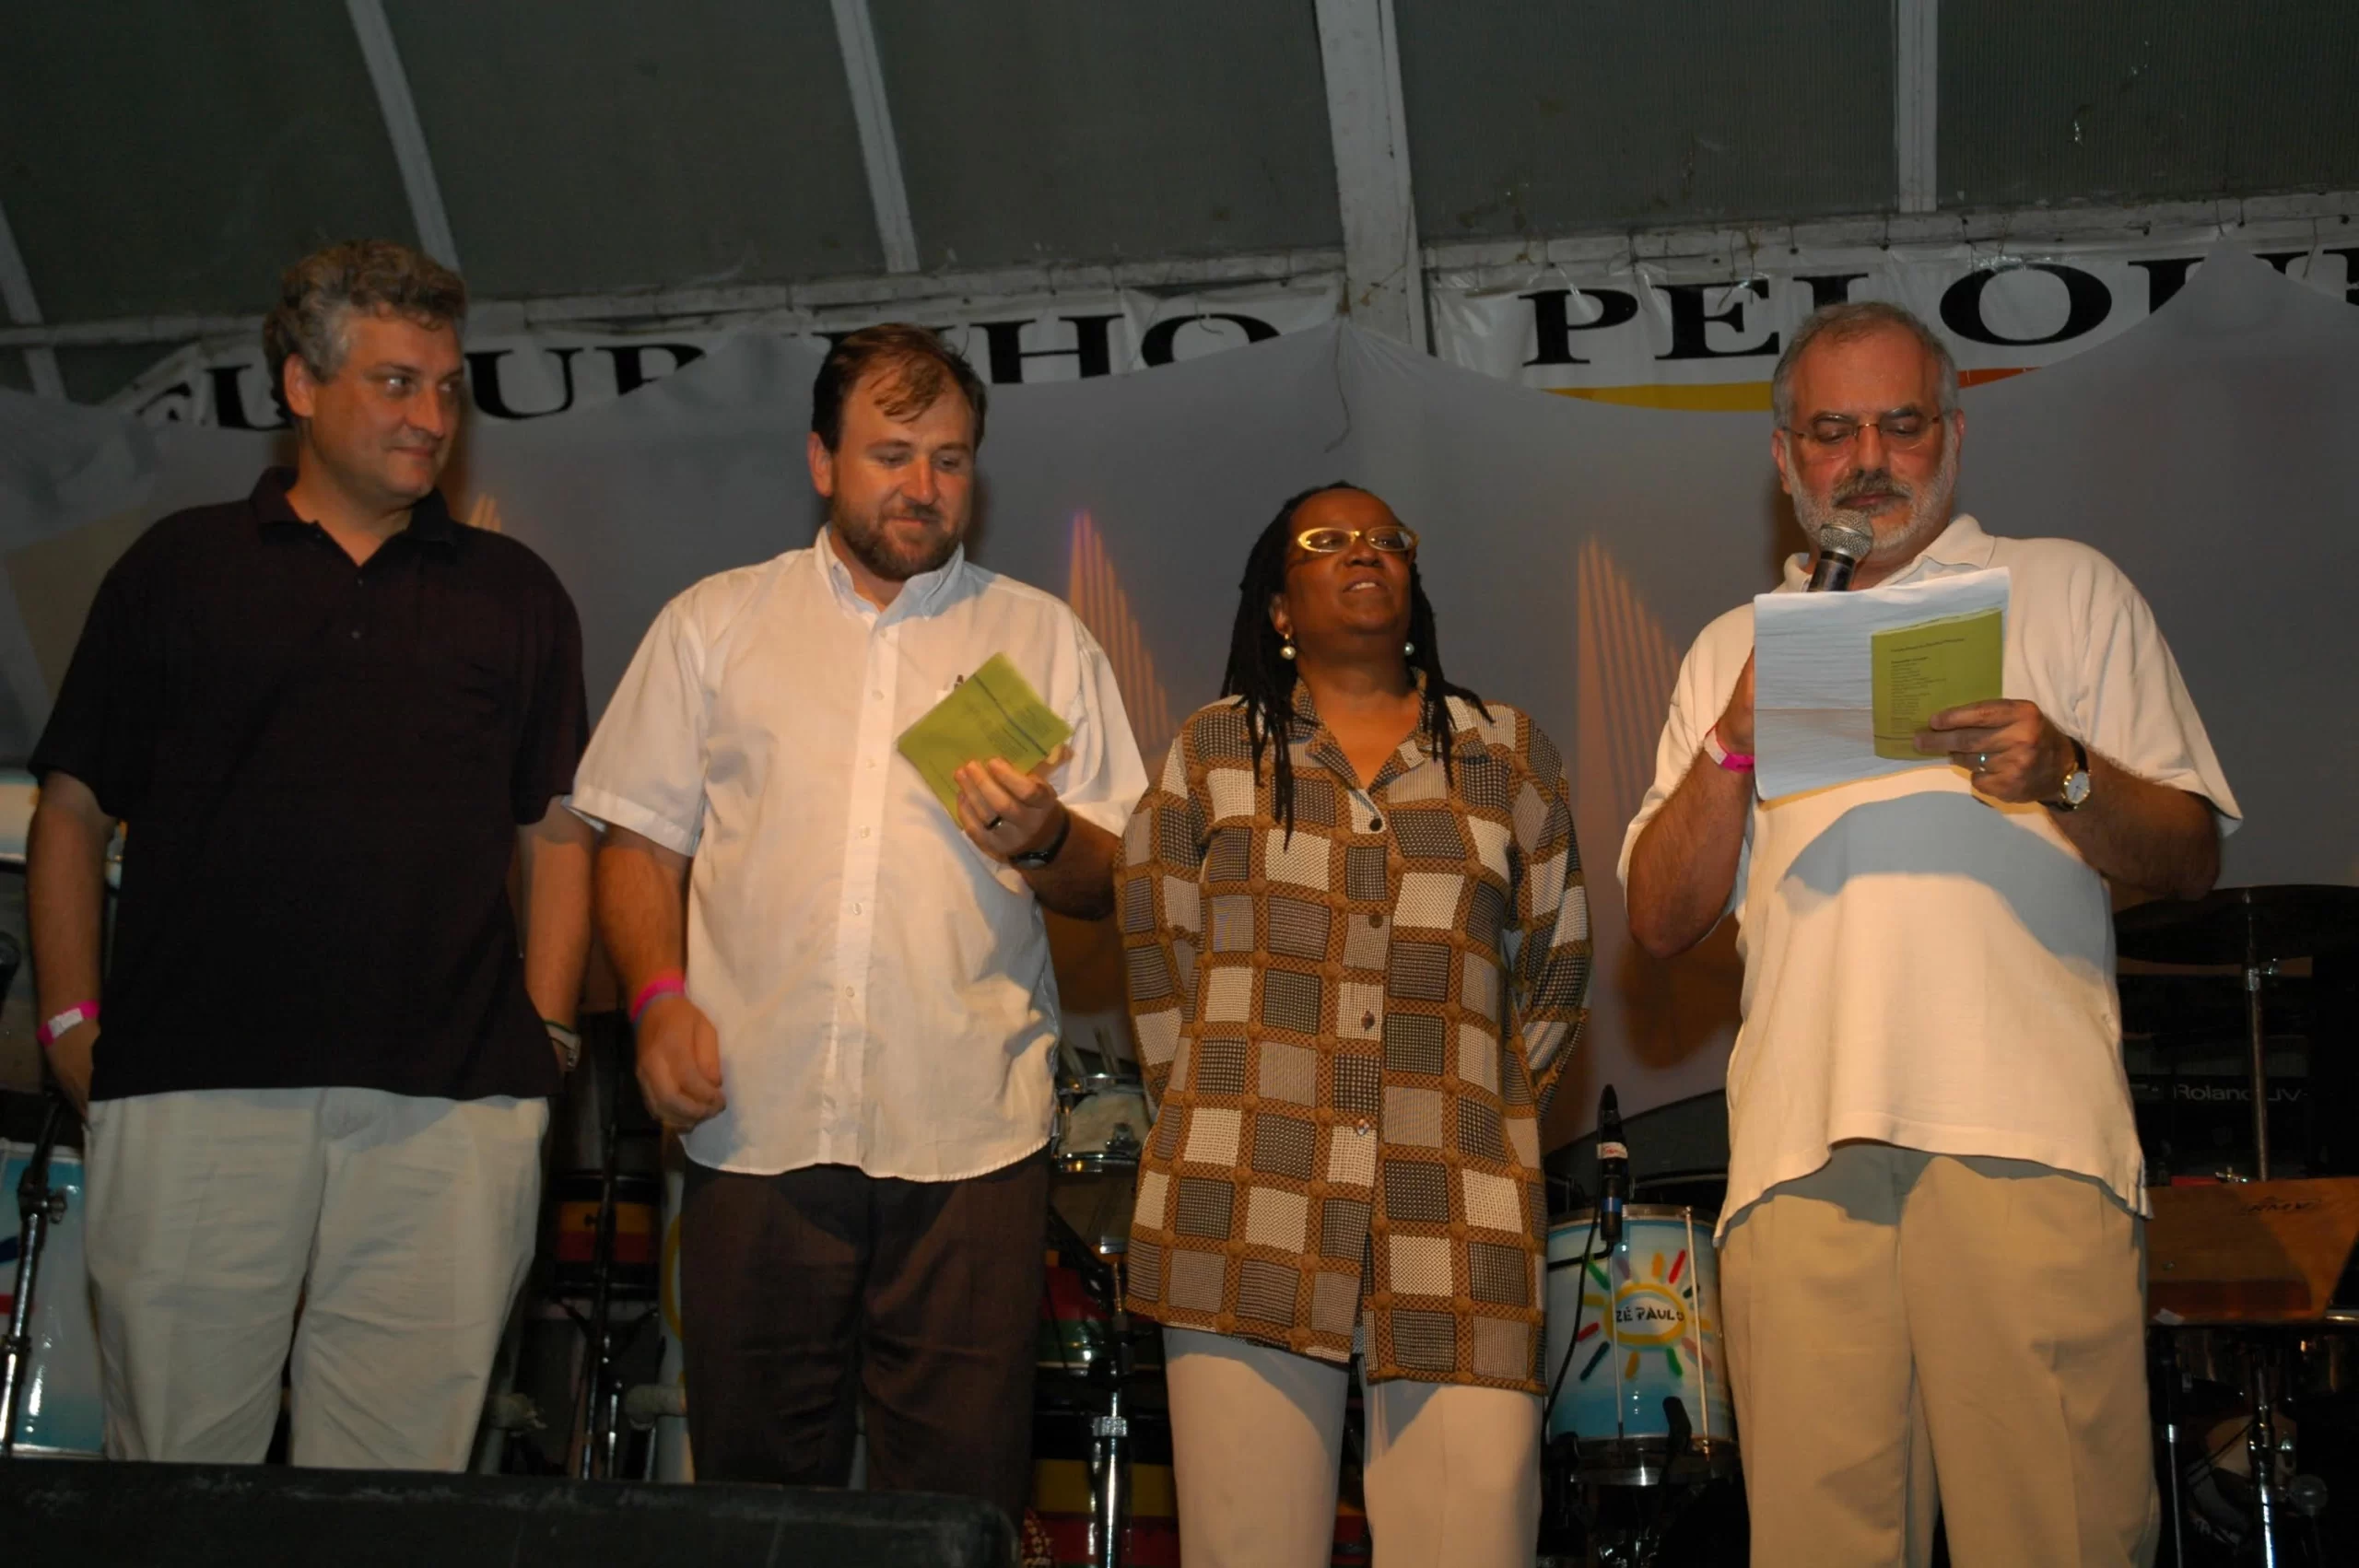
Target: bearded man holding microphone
[[1933, 1243]]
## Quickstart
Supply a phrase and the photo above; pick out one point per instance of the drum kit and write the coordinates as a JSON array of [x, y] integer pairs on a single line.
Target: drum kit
[[1099, 1369], [2254, 1344]]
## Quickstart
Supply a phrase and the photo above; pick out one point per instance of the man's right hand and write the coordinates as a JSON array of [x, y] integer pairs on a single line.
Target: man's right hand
[[1736, 719], [69, 1057], [679, 1063]]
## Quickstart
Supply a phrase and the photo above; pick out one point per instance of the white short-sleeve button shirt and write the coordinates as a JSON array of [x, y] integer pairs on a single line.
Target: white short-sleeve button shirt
[[1924, 967], [881, 987]]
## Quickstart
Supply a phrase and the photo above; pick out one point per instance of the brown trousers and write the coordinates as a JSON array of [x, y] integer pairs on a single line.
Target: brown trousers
[[1900, 1324], [807, 1296]]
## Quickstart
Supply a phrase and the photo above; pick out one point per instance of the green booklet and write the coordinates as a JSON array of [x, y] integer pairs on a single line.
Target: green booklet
[[993, 713], [1920, 670]]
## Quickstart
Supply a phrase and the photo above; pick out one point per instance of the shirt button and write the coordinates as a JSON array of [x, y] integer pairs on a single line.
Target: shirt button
[[1367, 1020], [356, 634], [855, 908], [863, 833], [1375, 921], [1376, 825]]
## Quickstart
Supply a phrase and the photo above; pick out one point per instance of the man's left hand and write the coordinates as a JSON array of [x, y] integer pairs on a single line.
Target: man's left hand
[[1007, 812], [2012, 752]]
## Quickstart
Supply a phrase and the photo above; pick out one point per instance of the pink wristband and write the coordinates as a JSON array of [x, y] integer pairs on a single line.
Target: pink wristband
[[1735, 761], [671, 982], [65, 1023]]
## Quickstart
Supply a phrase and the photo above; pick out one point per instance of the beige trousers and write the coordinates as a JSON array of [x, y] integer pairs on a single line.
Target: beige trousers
[[403, 1225], [1452, 1473], [1900, 1324]]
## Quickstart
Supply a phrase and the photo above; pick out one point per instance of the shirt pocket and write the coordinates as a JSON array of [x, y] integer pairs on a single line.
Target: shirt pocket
[[462, 703]]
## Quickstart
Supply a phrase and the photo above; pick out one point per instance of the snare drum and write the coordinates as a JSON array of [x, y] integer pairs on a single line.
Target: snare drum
[[61, 1413], [1102, 1127], [1103, 1124], [1650, 1329]]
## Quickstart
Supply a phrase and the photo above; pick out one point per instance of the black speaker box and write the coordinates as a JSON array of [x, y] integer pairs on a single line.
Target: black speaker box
[[126, 1515]]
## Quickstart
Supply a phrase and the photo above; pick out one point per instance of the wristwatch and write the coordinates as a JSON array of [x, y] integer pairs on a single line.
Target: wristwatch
[[2076, 783], [1033, 859]]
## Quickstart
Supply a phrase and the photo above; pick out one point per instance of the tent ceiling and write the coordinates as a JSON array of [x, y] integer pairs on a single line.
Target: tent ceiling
[[152, 156], [2123, 99], [1537, 117], [1076, 130], [605, 145], [158, 157]]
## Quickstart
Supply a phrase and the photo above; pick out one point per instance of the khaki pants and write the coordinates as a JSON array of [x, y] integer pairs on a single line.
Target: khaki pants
[[1900, 1323], [1257, 1437], [403, 1225]]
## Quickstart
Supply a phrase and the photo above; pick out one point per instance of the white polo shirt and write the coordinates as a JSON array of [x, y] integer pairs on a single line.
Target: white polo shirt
[[881, 987], [1924, 967]]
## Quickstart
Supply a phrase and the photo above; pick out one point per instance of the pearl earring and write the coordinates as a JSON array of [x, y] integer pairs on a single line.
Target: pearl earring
[[1408, 651], [1285, 649]]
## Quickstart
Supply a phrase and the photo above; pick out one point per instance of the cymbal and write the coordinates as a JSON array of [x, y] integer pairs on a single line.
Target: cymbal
[[2289, 920]]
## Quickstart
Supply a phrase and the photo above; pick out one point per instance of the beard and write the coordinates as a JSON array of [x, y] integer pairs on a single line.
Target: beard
[[1928, 504], [869, 538]]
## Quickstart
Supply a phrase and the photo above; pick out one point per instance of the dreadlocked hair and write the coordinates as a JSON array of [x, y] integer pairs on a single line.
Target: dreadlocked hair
[[1265, 679]]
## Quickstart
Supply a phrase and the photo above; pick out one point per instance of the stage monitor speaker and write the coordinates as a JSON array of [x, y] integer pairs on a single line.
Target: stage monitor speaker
[[127, 1516]]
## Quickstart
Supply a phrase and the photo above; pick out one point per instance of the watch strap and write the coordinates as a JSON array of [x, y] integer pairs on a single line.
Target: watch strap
[[2066, 800], [1034, 860]]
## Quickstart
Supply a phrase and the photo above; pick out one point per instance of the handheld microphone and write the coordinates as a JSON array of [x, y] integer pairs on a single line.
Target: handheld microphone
[[1613, 1169], [1842, 545]]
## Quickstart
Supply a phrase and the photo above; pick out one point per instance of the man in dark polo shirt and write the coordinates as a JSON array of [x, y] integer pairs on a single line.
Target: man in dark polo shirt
[[329, 716]]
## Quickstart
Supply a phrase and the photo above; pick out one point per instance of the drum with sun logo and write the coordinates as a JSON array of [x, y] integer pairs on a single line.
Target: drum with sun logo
[[1628, 1329]]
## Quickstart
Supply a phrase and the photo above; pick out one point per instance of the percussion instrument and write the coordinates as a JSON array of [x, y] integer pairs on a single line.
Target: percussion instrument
[[1648, 1332], [2256, 929], [58, 1411]]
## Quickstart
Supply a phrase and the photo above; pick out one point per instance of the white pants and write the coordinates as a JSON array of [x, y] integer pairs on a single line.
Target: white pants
[[1452, 1473], [402, 1225]]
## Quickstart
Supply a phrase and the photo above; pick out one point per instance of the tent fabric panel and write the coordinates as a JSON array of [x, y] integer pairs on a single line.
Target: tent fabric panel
[[166, 159], [2140, 99], [605, 146], [1542, 117], [1065, 131]]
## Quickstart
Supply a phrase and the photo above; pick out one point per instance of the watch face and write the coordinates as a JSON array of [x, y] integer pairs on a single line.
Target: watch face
[[2076, 788]]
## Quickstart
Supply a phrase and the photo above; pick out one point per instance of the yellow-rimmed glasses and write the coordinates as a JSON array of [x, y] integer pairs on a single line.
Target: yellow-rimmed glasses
[[1393, 538]]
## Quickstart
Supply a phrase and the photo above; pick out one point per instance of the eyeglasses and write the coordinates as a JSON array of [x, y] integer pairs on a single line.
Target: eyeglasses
[[1902, 428], [1391, 537]]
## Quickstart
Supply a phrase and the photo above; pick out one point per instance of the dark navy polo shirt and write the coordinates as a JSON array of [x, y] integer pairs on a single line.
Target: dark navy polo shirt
[[321, 768]]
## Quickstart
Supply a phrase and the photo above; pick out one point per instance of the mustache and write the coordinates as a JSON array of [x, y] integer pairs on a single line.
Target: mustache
[[1869, 481], [917, 511]]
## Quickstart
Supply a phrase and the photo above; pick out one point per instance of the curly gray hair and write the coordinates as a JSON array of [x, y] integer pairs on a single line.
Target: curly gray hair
[[318, 295]]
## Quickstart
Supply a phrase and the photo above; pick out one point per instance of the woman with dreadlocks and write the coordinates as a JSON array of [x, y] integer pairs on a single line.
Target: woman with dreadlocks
[[1358, 943]]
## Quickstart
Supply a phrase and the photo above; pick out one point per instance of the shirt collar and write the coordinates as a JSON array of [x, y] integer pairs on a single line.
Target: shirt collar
[[1962, 546], [919, 596], [430, 520], [1308, 731]]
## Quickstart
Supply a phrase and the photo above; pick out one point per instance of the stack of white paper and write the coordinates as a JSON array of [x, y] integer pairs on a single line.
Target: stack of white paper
[[1814, 683]]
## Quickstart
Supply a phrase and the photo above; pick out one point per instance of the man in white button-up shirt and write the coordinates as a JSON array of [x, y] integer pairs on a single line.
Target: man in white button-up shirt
[[1932, 1254], [843, 996]]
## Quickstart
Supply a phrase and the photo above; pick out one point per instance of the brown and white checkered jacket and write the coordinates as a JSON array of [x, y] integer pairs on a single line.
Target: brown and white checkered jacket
[[1350, 1032]]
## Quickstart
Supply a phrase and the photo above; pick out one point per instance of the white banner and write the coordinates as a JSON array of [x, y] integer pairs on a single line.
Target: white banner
[[1704, 332], [537, 372]]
